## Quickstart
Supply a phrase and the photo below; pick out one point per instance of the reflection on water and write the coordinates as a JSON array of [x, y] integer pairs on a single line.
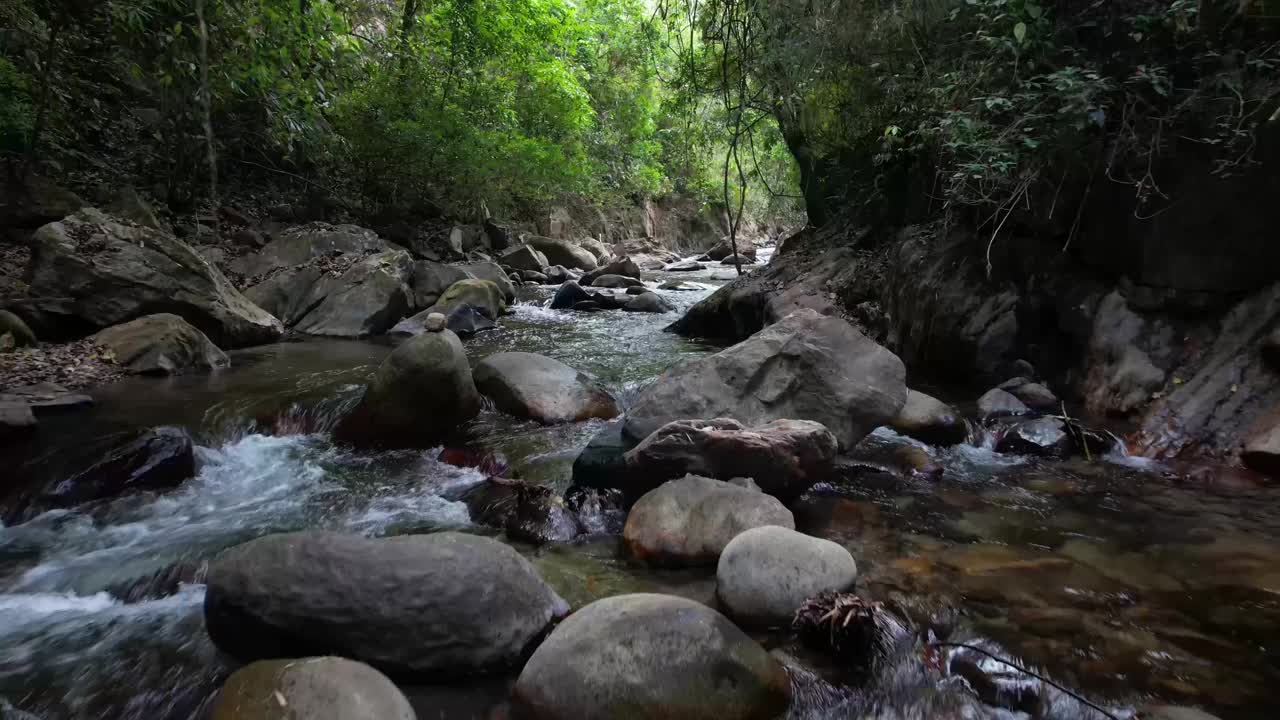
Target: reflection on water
[[1108, 575]]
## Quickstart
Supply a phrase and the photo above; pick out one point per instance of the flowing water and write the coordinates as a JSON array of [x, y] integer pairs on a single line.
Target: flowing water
[[1119, 579]]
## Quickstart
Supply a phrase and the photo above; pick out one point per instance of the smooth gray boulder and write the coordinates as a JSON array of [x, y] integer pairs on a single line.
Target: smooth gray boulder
[[930, 420], [616, 282], [562, 252], [650, 302], [650, 656], [467, 305], [688, 522], [623, 266], [351, 296], [431, 279], [418, 396], [523, 257], [89, 272], [15, 328], [1033, 394], [1046, 436], [315, 688], [492, 272], [807, 366], [430, 606], [766, 573], [161, 344], [542, 388], [784, 457]]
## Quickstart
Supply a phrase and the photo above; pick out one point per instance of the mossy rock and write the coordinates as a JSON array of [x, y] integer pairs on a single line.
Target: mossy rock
[[13, 326]]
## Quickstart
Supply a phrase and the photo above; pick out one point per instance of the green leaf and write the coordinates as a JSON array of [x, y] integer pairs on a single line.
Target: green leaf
[[1020, 32], [1033, 11]]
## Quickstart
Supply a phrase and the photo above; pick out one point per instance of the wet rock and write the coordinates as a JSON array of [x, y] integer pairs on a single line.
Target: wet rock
[[523, 257], [159, 584], [1046, 436], [737, 259], [914, 460], [47, 398], [637, 290], [161, 344], [1174, 712], [334, 298], [930, 420], [432, 606], [724, 251], [598, 511], [529, 513], [682, 659], [533, 276], [557, 274], [784, 457], [1033, 394], [1000, 402], [316, 688], [650, 302], [569, 294], [684, 266], [541, 388], [597, 248], [688, 522], [765, 574], [601, 464], [431, 279], [587, 306], [159, 459], [98, 272], [16, 329], [492, 272], [482, 297], [673, 285], [806, 367], [995, 683], [562, 252], [617, 282], [16, 420], [419, 395], [623, 266]]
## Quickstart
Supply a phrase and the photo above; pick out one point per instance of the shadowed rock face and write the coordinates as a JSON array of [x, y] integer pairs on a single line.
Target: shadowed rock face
[[682, 660], [805, 367], [541, 388], [90, 272], [158, 459], [427, 606]]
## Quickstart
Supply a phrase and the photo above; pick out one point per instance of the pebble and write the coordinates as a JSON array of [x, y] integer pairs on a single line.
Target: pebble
[[436, 322]]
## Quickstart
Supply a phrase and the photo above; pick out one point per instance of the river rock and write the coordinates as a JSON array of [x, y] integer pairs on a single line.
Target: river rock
[[1045, 436], [541, 388], [433, 606], [523, 257], [16, 420], [419, 395], [650, 302], [650, 656], [1262, 449], [158, 459], [562, 252], [597, 248], [638, 290], [431, 279], [161, 344], [89, 272], [558, 274], [355, 300], [14, 327], [470, 305], [688, 522], [568, 295], [784, 457], [1032, 394], [316, 688], [684, 266], [930, 420], [533, 276], [1000, 402], [601, 464], [734, 260], [766, 573], [806, 367], [618, 282], [529, 513], [491, 271], [723, 250], [47, 398], [623, 266]]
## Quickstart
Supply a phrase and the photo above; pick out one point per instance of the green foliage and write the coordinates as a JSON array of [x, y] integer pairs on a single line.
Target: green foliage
[[16, 114]]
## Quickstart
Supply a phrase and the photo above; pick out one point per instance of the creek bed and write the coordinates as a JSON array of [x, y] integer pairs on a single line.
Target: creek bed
[[1110, 576]]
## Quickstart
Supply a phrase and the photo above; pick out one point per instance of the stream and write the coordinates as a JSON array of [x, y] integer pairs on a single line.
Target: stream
[[1118, 578]]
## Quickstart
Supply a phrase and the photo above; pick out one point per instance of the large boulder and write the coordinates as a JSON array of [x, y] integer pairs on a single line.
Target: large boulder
[[493, 273], [427, 606], [431, 279], [650, 656], [522, 257], [597, 248], [568, 295], [306, 243], [766, 573], [161, 344], [317, 688], [930, 420], [688, 522], [351, 296], [541, 388], [158, 459], [460, 304], [89, 272], [723, 250], [562, 252], [784, 457], [616, 282], [623, 266], [15, 328], [418, 396], [806, 367], [650, 302]]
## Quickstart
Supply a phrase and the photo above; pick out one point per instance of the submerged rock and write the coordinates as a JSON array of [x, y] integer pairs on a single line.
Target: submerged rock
[[529, 513], [97, 272], [1046, 436], [1000, 402], [601, 464], [688, 522], [650, 656], [316, 688], [542, 388], [158, 459], [930, 420], [1033, 394], [431, 606], [419, 395], [723, 250], [765, 574], [161, 344], [569, 294], [784, 457], [805, 367]]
